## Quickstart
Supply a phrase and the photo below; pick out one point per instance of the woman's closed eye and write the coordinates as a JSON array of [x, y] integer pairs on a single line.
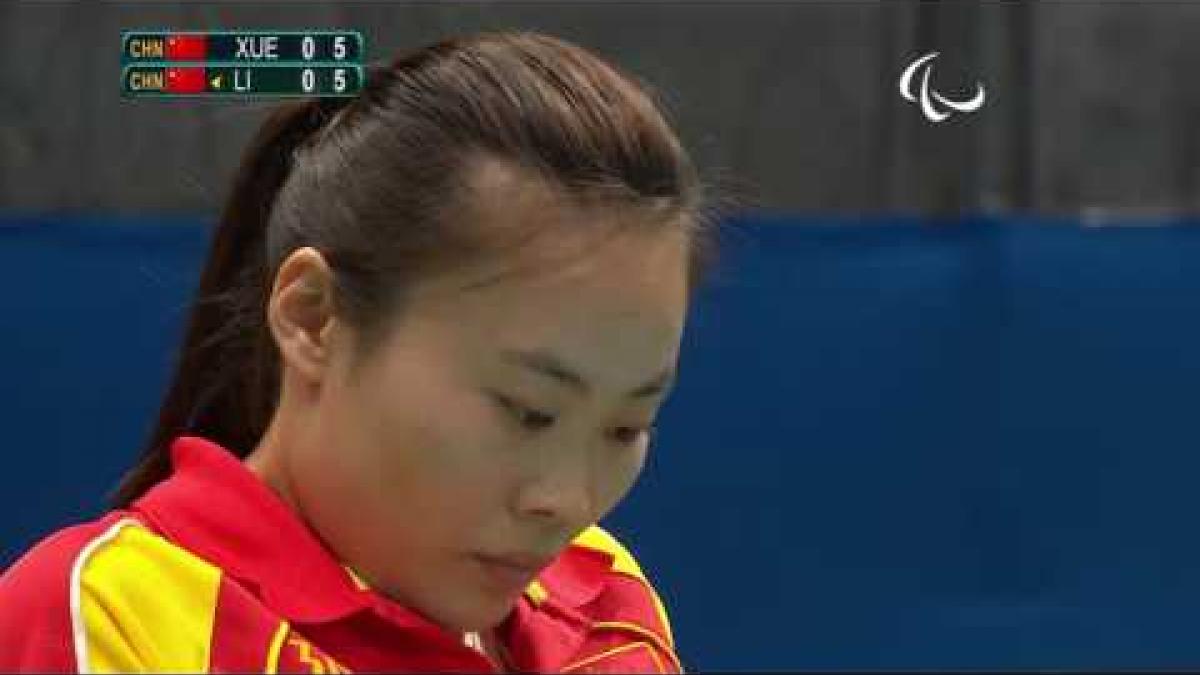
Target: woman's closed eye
[[534, 420], [631, 435], [529, 418]]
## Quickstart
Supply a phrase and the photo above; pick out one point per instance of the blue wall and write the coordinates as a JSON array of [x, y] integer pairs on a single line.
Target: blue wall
[[895, 444]]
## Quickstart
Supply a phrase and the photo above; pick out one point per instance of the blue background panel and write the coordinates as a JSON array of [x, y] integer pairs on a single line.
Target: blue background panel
[[895, 443]]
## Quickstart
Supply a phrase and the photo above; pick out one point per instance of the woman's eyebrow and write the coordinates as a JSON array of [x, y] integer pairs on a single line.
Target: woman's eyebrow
[[549, 365]]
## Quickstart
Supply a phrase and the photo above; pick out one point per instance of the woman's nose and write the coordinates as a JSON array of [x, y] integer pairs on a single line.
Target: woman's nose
[[560, 490]]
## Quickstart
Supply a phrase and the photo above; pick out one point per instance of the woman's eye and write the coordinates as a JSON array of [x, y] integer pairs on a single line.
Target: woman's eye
[[631, 435], [530, 419], [536, 420]]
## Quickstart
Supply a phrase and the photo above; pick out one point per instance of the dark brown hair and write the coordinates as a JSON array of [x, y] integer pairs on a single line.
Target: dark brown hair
[[370, 182]]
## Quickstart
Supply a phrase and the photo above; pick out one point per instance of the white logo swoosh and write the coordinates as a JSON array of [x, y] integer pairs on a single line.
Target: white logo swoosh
[[906, 78], [928, 96]]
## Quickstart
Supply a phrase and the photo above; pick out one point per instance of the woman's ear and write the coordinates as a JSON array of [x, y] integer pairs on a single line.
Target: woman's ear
[[300, 313]]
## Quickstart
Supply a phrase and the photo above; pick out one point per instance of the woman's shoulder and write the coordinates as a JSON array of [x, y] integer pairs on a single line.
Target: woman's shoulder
[[46, 567], [80, 592], [36, 594]]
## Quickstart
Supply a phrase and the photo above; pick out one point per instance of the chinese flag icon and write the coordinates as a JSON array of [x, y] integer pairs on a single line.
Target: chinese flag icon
[[186, 47], [185, 80]]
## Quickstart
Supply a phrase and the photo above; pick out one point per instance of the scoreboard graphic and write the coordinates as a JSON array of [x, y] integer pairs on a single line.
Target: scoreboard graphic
[[241, 64]]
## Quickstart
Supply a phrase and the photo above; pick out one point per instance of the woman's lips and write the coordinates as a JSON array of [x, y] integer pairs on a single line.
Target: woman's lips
[[511, 572]]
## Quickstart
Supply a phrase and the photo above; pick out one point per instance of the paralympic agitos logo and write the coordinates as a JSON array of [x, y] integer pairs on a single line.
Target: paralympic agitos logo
[[935, 106]]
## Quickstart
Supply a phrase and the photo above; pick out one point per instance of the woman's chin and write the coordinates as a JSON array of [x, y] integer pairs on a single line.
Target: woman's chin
[[478, 615]]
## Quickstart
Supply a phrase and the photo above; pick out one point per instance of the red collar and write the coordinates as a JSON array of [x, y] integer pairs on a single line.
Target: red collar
[[218, 509]]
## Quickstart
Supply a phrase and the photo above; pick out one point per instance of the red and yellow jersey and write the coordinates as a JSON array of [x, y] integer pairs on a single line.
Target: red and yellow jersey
[[211, 572]]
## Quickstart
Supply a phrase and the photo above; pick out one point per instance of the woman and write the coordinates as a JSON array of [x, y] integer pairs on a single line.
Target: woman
[[426, 354]]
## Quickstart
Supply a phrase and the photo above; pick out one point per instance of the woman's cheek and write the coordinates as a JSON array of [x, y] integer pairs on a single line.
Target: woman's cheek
[[619, 474], [469, 443]]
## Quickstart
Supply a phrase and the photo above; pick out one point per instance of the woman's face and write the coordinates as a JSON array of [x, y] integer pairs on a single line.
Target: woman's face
[[491, 425]]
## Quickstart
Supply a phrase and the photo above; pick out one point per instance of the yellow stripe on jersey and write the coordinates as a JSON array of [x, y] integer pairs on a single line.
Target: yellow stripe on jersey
[[536, 592], [276, 647], [359, 582], [139, 603], [597, 539]]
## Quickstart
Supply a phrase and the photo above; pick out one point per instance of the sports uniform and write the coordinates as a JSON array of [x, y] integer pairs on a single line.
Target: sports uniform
[[210, 571]]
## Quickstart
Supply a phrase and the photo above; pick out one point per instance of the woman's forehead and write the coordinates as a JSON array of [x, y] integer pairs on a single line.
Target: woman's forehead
[[616, 314], [627, 274], [567, 274], [511, 209]]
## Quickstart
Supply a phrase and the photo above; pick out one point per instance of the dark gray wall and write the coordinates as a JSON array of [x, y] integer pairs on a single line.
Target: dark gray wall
[[790, 106]]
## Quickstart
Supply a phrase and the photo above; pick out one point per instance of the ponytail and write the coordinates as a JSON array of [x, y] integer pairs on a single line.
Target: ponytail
[[226, 378]]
